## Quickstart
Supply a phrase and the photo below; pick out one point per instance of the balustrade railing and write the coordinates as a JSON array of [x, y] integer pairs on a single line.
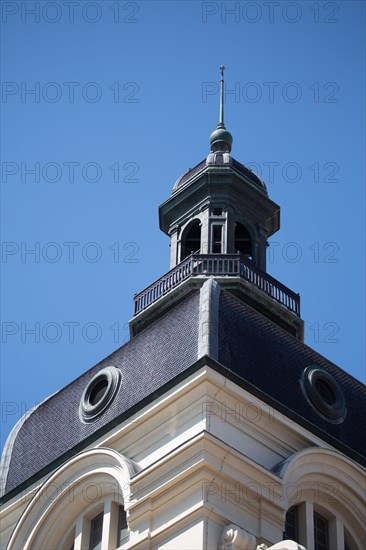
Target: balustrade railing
[[220, 265]]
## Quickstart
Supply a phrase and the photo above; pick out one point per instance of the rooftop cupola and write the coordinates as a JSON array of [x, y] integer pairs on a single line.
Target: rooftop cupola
[[219, 218], [220, 206]]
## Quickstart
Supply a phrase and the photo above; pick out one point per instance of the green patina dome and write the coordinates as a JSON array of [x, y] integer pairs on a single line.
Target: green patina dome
[[221, 139]]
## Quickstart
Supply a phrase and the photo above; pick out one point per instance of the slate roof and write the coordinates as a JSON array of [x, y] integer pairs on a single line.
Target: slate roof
[[241, 168], [271, 362], [249, 348], [147, 362]]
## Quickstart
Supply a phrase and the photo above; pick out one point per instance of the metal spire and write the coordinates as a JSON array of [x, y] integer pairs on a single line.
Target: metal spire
[[221, 140], [221, 122]]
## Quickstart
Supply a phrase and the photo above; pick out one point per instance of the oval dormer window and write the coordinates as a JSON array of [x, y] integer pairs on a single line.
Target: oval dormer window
[[324, 394], [99, 393]]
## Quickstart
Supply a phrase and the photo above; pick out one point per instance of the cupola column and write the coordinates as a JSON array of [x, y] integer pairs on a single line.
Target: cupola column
[[230, 231], [205, 228], [174, 242], [261, 253]]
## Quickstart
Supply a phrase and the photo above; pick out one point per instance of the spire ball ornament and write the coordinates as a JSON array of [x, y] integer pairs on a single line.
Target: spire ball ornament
[[221, 140]]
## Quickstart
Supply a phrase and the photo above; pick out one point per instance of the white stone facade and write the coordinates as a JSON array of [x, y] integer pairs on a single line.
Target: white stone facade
[[205, 466]]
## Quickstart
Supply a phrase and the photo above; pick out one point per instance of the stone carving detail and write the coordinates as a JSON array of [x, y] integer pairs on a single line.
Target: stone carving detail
[[235, 538], [283, 545]]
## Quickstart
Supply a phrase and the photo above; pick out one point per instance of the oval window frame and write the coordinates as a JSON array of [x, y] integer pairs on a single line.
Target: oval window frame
[[333, 412], [88, 411]]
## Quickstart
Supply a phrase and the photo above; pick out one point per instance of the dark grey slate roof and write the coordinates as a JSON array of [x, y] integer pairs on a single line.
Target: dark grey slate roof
[[241, 168], [147, 362], [271, 362], [250, 349]]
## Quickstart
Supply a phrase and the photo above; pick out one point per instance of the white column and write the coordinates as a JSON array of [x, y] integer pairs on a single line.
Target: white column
[[110, 525], [306, 525], [82, 534], [336, 534]]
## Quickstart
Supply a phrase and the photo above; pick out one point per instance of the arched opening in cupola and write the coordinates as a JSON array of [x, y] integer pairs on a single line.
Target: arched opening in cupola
[[243, 240], [191, 239]]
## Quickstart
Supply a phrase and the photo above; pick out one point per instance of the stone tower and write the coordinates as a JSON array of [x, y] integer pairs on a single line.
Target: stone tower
[[215, 426]]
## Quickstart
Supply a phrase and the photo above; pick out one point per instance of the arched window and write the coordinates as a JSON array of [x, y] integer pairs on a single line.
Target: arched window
[[243, 241], [96, 528], [321, 540], [191, 240], [321, 532], [123, 533], [325, 500], [104, 526], [292, 524], [87, 508]]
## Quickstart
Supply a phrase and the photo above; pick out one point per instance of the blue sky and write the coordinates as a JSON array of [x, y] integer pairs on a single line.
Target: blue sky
[[125, 96]]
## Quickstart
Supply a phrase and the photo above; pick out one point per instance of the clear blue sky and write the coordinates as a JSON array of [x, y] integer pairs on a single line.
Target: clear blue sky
[[125, 98]]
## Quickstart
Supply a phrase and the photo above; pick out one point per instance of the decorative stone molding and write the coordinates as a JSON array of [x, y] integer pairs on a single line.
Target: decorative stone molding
[[283, 545], [235, 538], [209, 319], [88, 477]]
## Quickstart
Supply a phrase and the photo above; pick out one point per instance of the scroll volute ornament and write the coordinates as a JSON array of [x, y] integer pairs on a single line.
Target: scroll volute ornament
[[236, 538]]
